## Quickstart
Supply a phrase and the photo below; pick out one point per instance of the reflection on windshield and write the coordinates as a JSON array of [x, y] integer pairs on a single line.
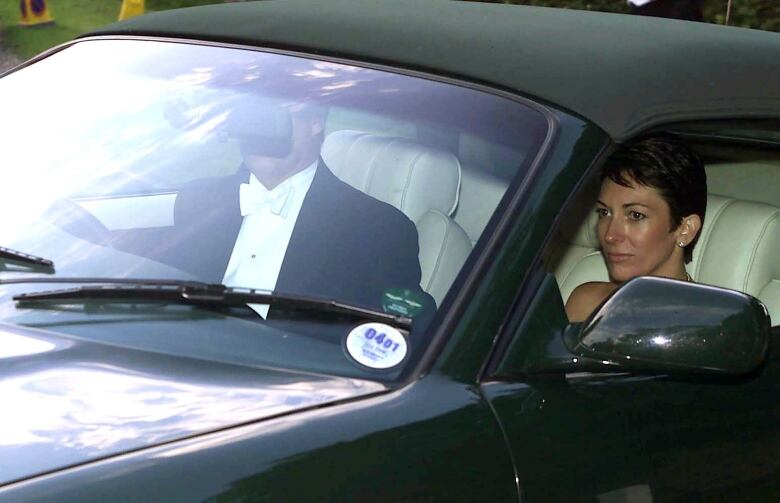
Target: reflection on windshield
[[257, 170]]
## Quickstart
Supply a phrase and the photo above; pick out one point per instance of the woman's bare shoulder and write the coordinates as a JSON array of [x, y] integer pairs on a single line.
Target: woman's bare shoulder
[[586, 297]]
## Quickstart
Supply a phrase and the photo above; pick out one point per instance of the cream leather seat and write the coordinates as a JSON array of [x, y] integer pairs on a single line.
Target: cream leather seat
[[576, 257], [739, 248], [421, 181]]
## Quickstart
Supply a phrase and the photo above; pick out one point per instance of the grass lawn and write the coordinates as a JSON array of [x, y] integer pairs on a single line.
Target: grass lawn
[[71, 18]]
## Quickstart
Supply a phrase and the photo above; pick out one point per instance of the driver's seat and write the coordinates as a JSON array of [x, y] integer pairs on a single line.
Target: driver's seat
[[421, 181]]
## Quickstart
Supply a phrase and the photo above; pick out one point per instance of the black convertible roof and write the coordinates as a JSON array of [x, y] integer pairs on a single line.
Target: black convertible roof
[[623, 73]]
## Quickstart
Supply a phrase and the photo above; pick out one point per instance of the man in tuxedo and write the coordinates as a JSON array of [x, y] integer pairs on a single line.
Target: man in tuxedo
[[284, 222]]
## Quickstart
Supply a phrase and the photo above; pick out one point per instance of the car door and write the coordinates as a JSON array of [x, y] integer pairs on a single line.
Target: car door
[[716, 440], [719, 440], [574, 437], [626, 437], [623, 436]]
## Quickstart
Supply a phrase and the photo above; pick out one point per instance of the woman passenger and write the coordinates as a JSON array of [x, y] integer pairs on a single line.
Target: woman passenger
[[650, 210]]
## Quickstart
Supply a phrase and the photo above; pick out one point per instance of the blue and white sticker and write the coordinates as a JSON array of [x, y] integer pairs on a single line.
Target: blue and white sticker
[[376, 345]]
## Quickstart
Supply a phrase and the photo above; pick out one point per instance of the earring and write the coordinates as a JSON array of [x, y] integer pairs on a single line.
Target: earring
[[682, 244]]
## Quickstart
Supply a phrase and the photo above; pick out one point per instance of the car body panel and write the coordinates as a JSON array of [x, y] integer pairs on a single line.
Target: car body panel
[[402, 446], [586, 436], [68, 401]]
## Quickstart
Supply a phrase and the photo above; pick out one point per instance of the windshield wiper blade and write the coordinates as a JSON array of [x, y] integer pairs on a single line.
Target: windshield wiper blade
[[192, 293], [26, 259], [105, 281]]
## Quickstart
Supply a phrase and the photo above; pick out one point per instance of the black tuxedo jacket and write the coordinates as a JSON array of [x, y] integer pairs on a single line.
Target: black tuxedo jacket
[[345, 244]]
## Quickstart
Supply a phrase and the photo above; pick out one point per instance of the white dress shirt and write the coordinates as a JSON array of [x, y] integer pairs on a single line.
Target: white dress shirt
[[269, 219]]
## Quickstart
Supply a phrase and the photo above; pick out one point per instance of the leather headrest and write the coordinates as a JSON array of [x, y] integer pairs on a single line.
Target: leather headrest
[[739, 246], [412, 177]]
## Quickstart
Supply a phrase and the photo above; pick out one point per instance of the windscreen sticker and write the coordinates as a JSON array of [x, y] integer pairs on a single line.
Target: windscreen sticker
[[376, 345]]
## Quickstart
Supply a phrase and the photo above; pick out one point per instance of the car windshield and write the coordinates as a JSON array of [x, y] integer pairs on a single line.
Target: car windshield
[[170, 161]]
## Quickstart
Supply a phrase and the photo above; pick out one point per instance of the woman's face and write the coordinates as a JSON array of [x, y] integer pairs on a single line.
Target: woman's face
[[634, 232]]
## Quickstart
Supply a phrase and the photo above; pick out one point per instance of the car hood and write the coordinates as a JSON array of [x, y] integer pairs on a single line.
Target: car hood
[[67, 401]]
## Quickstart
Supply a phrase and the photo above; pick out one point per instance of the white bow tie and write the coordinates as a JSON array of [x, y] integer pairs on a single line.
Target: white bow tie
[[254, 198]]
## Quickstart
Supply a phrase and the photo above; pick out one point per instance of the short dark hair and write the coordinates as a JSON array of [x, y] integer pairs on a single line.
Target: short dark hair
[[667, 164]]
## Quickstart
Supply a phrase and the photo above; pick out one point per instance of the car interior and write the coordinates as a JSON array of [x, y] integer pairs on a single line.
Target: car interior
[[421, 181], [451, 198], [450, 186], [740, 239]]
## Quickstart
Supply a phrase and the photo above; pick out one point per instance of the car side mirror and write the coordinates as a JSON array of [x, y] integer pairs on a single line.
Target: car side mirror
[[650, 325], [661, 325]]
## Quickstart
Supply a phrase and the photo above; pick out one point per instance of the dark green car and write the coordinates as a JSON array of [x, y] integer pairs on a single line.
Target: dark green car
[[405, 338]]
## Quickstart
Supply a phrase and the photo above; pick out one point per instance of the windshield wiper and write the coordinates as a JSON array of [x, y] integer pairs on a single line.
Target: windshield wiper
[[27, 259], [192, 293]]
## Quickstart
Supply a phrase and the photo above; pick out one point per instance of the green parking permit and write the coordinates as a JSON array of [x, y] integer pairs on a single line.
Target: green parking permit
[[402, 301]]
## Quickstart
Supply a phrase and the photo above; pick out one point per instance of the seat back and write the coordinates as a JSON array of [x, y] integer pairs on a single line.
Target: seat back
[[739, 248], [479, 196], [576, 257], [421, 181]]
